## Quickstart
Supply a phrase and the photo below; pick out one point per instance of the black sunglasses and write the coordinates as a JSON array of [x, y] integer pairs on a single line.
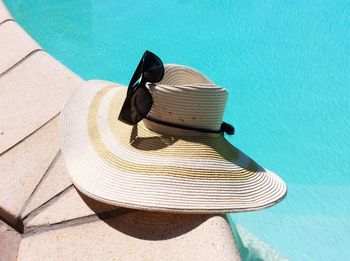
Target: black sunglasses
[[139, 100]]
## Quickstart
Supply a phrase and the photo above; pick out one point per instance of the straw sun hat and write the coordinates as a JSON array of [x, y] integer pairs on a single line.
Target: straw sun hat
[[160, 167]]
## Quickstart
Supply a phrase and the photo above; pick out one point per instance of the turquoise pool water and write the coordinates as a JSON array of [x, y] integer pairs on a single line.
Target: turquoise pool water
[[287, 67]]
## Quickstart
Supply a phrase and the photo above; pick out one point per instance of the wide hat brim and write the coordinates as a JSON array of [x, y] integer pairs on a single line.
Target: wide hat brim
[[134, 167]]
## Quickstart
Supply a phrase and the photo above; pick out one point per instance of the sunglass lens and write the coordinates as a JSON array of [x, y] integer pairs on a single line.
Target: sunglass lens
[[136, 107], [139, 101], [153, 68], [141, 104]]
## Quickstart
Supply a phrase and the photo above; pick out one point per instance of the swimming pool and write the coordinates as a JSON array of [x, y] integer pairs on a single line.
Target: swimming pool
[[287, 67]]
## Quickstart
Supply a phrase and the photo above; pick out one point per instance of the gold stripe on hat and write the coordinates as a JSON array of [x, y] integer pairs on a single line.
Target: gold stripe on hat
[[125, 131]]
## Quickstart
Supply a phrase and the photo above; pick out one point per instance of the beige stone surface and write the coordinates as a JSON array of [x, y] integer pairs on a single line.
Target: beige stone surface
[[32, 94], [4, 13], [67, 206], [133, 237], [15, 44], [54, 182], [9, 242], [23, 166]]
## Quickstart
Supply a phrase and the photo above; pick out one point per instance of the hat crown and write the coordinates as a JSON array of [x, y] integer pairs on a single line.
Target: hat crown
[[186, 97]]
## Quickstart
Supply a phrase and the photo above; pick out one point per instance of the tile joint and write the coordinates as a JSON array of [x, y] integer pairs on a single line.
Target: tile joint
[[42, 126], [34, 230], [18, 226], [6, 20], [52, 164], [21, 61], [48, 203]]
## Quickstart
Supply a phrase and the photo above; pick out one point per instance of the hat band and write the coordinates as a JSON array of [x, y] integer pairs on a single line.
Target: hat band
[[224, 128]]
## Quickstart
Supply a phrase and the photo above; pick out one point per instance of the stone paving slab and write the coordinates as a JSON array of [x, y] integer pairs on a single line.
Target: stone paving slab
[[9, 242], [135, 236], [32, 94], [67, 206], [23, 166], [54, 182], [15, 45], [4, 13]]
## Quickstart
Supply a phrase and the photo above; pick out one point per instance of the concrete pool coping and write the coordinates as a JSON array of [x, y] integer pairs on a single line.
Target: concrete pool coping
[[43, 215]]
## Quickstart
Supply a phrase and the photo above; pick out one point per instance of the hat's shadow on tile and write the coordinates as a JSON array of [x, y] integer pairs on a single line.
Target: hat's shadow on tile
[[145, 225]]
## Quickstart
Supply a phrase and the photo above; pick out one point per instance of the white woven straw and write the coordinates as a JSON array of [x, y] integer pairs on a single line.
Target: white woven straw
[[186, 97], [156, 167]]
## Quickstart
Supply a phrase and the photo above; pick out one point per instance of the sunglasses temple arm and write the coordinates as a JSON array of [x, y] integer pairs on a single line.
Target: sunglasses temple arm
[[136, 74]]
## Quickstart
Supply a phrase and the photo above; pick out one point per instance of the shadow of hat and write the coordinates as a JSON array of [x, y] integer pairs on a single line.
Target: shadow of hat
[[146, 225]]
